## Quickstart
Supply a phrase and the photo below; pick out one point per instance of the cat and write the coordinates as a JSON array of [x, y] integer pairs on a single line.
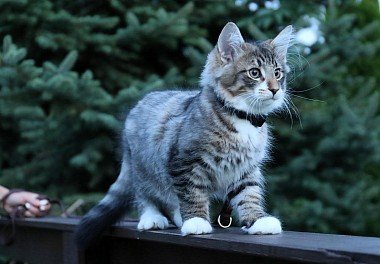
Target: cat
[[182, 148]]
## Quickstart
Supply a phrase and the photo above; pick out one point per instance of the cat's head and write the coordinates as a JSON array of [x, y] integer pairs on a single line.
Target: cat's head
[[249, 76]]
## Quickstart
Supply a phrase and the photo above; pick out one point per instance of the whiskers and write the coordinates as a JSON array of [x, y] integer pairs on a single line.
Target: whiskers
[[254, 103], [298, 64], [309, 99], [309, 89], [291, 108]]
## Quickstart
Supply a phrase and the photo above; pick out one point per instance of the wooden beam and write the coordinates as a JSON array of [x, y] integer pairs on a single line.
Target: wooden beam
[[50, 240]]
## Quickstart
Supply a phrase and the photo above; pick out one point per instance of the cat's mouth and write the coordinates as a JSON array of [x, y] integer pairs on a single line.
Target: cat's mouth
[[262, 101], [269, 100]]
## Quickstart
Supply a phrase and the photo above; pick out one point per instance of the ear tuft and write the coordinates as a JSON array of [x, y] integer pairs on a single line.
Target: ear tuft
[[283, 41], [229, 42]]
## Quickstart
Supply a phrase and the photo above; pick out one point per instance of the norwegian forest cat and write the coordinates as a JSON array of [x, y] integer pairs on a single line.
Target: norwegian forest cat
[[182, 148]]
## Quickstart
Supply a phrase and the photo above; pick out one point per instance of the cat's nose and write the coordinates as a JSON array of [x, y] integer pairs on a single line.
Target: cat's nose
[[274, 91], [272, 87]]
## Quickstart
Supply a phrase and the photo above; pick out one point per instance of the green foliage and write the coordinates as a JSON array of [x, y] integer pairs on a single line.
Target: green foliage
[[326, 178], [62, 120], [82, 63]]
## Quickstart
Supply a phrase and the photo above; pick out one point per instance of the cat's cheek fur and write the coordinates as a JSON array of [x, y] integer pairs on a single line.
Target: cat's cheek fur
[[196, 226], [267, 225]]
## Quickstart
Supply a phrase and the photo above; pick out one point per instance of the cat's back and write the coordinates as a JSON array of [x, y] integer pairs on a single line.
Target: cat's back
[[155, 111]]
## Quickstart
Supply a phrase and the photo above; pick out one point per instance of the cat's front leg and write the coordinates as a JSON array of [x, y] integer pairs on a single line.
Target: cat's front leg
[[194, 206], [247, 196]]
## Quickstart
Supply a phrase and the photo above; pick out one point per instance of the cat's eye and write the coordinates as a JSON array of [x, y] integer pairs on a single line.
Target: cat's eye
[[254, 73], [278, 73]]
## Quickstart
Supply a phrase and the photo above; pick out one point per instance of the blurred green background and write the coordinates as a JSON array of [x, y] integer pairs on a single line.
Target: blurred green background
[[69, 70]]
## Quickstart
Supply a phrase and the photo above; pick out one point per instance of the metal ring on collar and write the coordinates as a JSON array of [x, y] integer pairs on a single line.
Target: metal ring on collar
[[224, 226]]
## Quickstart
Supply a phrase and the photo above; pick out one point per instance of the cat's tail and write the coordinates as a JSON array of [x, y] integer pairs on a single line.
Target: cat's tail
[[109, 210]]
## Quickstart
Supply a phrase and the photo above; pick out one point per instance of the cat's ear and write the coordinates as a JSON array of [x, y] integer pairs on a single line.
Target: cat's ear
[[229, 42], [283, 41]]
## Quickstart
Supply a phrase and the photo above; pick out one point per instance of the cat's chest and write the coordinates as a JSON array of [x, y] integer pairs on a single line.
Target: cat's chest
[[242, 152], [248, 145]]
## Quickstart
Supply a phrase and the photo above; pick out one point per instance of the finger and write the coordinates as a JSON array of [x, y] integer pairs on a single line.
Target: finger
[[27, 206], [8, 208], [44, 213], [47, 207], [44, 208], [32, 199], [44, 202], [28, 214], [44, 205], [32, 209]]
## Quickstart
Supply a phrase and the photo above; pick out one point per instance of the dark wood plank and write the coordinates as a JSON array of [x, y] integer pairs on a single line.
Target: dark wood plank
[[70, 252], [35, 245], [143, 252], [232, 242], [289, 245]]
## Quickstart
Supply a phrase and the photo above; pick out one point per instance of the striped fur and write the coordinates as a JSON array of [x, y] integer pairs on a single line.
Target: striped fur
[[182, 148]]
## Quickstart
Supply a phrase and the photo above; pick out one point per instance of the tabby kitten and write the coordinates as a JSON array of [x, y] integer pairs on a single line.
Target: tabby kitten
[[181, 148]]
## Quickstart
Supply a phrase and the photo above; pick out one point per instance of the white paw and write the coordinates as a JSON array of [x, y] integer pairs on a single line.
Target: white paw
[[196, 226], [177, 219], [264, 226], [152, 221]]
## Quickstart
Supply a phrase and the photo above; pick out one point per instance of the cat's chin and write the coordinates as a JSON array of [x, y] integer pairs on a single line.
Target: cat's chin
[[266, 106], [271, 105]]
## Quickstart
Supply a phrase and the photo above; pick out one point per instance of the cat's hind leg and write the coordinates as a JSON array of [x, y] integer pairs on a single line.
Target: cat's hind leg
[[152, 218]]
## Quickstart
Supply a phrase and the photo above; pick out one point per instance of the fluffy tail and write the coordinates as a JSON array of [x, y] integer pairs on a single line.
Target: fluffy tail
[[109, 210]]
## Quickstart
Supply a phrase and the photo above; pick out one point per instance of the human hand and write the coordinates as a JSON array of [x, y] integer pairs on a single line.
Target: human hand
[[33, 207]]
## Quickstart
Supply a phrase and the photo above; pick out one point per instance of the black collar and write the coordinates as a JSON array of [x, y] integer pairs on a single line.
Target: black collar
[[255, 120]]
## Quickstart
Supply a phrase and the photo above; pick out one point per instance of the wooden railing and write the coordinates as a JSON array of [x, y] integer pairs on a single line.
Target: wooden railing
[[50, 240]]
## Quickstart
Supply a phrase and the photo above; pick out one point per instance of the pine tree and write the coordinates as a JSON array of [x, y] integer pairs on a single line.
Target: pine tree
[[326, 171], [63, 121]]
